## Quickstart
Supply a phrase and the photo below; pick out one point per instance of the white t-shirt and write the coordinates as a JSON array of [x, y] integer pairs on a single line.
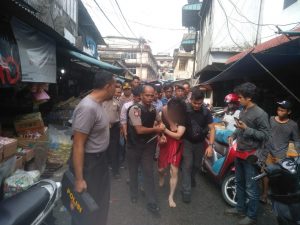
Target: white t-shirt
[[229, 119]]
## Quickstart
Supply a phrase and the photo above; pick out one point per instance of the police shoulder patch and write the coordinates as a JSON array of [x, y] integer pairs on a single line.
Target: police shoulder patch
[[136, 112]]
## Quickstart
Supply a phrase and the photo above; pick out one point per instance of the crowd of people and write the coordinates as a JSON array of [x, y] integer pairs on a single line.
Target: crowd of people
[[133, 125]]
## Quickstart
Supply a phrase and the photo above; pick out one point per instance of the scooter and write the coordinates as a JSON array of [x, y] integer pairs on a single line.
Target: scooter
[[30, 207], [284, 182], [221, 168]]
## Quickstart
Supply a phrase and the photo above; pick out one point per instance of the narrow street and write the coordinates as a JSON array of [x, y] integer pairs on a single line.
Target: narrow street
[[207, 208]]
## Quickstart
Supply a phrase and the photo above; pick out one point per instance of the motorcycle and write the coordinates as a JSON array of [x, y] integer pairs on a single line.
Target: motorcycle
[[32, 206], [284, 182], [221, 168]]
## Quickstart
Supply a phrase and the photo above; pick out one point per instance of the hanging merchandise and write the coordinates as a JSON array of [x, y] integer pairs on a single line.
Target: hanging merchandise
[[10, 69], [37, 53]]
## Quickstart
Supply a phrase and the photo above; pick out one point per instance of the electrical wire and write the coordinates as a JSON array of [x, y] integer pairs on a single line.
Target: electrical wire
[[274, 77], [227, 24], [258, 24], [119, 17], [125, 18], [157, 27], [108, 19]]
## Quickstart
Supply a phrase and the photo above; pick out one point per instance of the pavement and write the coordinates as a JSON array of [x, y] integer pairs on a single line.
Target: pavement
[[207, 207]]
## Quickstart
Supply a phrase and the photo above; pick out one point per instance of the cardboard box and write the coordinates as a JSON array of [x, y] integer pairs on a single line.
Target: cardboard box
[[29, 123], [31, 143], [9, 147], [28, 154], [19, 163]]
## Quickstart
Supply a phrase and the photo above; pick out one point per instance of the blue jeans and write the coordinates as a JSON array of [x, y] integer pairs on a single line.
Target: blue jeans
[[247, 189]]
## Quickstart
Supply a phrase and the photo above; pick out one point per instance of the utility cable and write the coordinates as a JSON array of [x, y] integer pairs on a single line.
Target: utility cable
[[125, 19], [157, 27], [227, 24], [274, 77], [108, 19], [118, 16], [257, 24]]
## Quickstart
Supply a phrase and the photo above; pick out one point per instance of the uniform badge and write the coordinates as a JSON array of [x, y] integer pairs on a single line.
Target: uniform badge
[[136, 112]]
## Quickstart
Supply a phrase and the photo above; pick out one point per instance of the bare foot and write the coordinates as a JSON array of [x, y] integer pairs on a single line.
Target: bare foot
[[161, 181], [172, 204]]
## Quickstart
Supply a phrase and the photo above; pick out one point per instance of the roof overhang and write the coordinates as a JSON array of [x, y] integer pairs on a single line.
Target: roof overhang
[[85, 59], [188, 42], [247, 68], [190, 15]]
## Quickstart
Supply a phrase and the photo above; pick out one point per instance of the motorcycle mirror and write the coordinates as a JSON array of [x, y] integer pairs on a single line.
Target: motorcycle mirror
[[252, 159]]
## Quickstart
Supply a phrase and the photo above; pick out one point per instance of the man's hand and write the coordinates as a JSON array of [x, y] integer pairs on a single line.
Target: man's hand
[[80, 185], [160, 128], [209, 151], [241, 125], [230, 141]]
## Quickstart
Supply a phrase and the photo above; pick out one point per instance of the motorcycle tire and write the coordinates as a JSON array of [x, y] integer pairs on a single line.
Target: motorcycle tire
[[229, 189]]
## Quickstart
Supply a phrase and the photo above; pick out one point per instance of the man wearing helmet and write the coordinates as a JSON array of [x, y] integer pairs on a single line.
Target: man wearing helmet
[[231, 111]]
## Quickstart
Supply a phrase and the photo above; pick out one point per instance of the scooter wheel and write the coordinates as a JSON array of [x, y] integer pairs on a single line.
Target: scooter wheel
[[229, 189]]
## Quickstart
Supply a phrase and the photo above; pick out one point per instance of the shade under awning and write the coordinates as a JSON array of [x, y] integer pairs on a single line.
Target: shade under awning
[[92, 61], [246, 68]]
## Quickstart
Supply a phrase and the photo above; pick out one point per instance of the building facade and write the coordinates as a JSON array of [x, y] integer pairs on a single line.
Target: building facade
[[183, 64], [134, 53], [165, 66], [229, 27]]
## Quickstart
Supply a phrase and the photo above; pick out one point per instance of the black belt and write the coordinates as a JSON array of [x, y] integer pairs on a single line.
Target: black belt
[[96, 154]]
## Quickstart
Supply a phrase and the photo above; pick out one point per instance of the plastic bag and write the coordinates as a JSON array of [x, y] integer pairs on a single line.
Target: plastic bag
[[20, 181], [6, 168]]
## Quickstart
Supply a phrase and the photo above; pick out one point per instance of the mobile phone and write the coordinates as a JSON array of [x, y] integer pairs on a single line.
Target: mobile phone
[[237, 120]]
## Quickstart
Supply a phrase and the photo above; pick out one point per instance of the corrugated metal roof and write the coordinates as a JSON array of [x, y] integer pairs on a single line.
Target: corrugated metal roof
[[263, 46]]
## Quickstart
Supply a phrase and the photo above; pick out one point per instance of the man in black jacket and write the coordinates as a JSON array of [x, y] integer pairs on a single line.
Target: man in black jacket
[[199, 123]]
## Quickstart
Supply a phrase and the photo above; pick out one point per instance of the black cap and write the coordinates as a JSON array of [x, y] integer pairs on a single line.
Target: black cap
[[285, 104], [137, 91]]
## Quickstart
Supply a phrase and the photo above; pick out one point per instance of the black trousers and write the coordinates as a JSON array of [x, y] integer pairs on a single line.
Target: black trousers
[[114, 147], [96, 175], [141, 154]]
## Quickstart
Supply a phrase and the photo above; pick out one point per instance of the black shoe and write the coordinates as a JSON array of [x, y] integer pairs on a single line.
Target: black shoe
[[133, 200], [186, 198], [153, 208]]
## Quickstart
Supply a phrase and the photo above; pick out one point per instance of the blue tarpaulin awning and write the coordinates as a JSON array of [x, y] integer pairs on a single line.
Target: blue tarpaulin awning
[[92, 61]]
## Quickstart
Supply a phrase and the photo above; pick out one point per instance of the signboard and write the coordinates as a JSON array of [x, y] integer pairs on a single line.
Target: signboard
[[10, 69], [90, 47], [37, 53]]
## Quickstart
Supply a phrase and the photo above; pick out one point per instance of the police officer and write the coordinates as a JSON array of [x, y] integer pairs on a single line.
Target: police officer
[[143, 126], [112, 108]]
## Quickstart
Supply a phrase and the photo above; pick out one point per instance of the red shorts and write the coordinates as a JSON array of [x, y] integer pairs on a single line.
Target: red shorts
[[170, 153]]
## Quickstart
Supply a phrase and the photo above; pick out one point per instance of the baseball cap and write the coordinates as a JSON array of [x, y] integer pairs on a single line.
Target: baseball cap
[[126, 86], [285, 104]]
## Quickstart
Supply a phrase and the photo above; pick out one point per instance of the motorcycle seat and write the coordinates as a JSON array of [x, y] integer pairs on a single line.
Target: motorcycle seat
[[23, 208]]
